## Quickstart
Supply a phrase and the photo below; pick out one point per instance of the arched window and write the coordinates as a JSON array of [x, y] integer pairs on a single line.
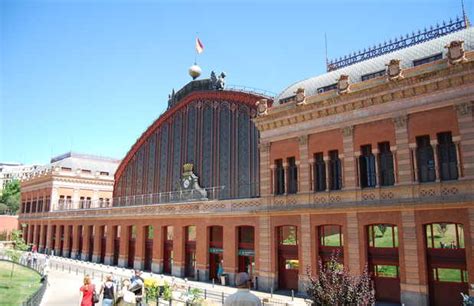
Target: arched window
[[448, 163], [425, 159]]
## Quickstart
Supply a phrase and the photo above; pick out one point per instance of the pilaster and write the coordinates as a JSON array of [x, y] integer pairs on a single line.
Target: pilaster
[[349, 170], [412, 291], [304, 167], [353, 243], [265, 172], [230, 252], [178, 252], [403, 158], [305, 251], [266, 277], [466, 129], [157, 261]]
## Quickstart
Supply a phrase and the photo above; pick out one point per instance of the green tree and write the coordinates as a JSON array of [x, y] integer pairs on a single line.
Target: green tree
[[11, 196], [19, 246]]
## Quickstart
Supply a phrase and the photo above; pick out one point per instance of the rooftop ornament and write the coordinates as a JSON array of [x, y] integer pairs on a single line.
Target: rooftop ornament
[[399, 43]]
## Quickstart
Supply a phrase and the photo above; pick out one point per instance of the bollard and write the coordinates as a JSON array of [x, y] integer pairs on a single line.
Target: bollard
[[222, 298], [76, 271], [292, 295], [205, 293], [271, 292], [212, 283]]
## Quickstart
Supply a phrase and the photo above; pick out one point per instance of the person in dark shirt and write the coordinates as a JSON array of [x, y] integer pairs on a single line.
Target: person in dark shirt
[[108, 289], [137, 286]]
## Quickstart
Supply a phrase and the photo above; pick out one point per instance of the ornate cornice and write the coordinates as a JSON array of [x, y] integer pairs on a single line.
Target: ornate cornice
[[382, 92]]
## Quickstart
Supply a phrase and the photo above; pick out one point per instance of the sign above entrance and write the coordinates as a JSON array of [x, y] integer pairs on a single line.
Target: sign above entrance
[[243, 252], [216, 250]]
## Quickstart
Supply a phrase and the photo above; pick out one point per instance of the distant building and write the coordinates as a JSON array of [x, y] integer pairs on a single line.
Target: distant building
[[70, 181], [13, 171]]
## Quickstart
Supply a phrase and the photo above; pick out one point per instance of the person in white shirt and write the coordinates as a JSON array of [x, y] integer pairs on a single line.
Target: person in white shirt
[[243, 296]]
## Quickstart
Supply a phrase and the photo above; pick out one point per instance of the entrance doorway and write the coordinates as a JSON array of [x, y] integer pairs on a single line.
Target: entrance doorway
[[116, 237], [288, 262], [215, 253], [149, 234], [132, 235], [246, 250], [168, 249], [190, 251], [103, 239], [383, 261], [446, 259]]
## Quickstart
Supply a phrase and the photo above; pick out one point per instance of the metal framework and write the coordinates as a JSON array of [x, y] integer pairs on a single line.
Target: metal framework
[[398, 43]]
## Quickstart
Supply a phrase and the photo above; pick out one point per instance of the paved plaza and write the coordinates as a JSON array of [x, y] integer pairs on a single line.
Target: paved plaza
[[66, 275]]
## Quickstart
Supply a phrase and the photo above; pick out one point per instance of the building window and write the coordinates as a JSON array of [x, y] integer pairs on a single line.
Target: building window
[[292, 175], [367, 167], [319, 172], [169, 233], [373, 75], [425, 159], [288, 235], [386, 173], [191, 233], [428, 59], [279, 177], [335, 172], [104, 173], [81, 202], [383, 236], [327, 88], [448, 163]]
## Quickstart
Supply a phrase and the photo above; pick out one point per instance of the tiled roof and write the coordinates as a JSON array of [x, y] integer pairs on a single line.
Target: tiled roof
[[356, 71]]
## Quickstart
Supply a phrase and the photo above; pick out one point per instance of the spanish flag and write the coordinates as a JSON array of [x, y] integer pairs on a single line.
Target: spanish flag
[[199, 46]]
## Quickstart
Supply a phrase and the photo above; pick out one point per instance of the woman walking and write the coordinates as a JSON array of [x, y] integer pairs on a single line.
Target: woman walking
[[108, 288], [87, 291]]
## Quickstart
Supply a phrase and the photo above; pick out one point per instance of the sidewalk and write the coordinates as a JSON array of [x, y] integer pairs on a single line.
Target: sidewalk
[[66, 275]]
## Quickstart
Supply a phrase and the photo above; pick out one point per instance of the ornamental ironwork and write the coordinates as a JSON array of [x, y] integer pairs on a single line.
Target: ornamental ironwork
[[398, 43]]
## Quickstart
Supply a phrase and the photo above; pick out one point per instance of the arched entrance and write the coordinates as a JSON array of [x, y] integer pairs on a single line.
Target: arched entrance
[[331, 242], [168, 249], [216, 252], [246, 249], [190, 251], [446, 261], [383, 261], [288, 261]]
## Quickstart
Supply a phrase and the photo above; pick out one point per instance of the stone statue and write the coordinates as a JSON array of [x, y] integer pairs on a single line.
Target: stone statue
[[217, 82]]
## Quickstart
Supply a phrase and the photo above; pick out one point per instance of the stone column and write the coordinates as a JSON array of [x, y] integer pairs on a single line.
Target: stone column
[[202, 250], [434, 145], [349, 170], [178, 252], [466, 129], [412, 291], [404, 172], [109, 244], [85, 242], [375, 152], [285, 175], [139, 247], [311, 174], [272, 179], [305, 252], [393, 149], [457, 143], [230, 253], [157, 262], [353, 243], [42, 243], [328, 174], [357, 155], [75, 241], [35, 235], [266, 275], [49, 240], [123, 256], [265, 172], [304, 167]]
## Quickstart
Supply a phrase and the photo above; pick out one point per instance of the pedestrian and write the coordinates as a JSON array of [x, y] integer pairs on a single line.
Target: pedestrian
[[29, 260], [137, 286], [87, 292], [125, 296], [108, 289], [243, 296]]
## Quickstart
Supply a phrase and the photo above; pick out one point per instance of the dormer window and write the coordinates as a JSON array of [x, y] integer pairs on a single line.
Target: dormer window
[[327, 88], [428, 59], [104, 173], [372, 75], [85, 171], [65, 169]]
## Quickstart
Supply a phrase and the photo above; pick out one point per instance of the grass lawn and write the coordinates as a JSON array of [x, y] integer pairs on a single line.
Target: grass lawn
[[22, 285]]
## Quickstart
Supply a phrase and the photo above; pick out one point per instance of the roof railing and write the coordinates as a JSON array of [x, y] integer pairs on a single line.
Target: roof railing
[[398, 43], [261, 92]]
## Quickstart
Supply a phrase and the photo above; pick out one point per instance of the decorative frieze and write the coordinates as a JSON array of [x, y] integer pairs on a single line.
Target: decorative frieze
[[464, 109]]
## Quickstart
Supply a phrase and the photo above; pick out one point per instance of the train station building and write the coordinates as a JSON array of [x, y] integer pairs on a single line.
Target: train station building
[[373, 159]]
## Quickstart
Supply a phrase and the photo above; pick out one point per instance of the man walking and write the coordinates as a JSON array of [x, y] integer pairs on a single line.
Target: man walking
[[243, 296]]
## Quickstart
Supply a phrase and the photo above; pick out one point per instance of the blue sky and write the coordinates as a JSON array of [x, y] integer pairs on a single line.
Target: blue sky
[[91, 76]]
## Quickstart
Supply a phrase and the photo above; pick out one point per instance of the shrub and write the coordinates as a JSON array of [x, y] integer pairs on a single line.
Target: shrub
[[334, 286]]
